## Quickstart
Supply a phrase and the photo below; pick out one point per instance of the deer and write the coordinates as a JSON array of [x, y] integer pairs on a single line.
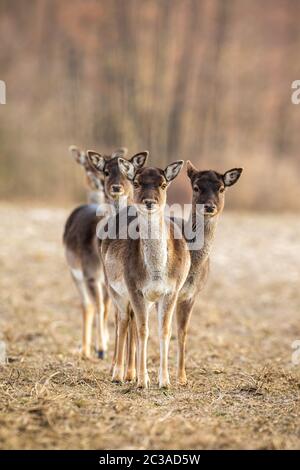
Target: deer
[[81, 248], [146, 271], [209, 188], [95, 190]]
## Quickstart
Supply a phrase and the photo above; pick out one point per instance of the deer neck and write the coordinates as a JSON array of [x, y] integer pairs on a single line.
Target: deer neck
[[205, 227], [115, 206], [154, 244]]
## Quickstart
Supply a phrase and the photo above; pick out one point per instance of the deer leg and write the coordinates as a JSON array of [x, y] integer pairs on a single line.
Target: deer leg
[[88, 320], [118, 372], [143, 334], [95, 290], [121, 327], [107, 308], [183, 315], [141, 312], [130, 374], [166, 308], [87, 311], [116, 342]]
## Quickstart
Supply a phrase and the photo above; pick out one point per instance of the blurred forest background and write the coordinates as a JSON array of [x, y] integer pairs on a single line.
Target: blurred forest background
[[206, 80]]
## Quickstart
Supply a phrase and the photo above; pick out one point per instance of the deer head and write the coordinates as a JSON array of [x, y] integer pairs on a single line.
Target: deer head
[[209, 187], [93, 181], [150, 184], [107, 169]]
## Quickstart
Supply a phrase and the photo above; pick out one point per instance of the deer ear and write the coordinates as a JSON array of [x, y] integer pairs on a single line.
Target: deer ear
[[78, 155], [139, 159], [231, 176], [96, 160], [173, 170], [127, 168], [120, 152], [191, 169]]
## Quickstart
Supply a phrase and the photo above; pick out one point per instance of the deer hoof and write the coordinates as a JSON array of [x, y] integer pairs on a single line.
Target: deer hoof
[[101, 354], [130, 376], [85, 354], [182, 380], [143, 383], [117, 376], [165, 385], [116, 381]]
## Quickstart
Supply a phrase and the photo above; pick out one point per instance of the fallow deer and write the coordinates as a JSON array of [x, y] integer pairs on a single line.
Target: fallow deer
[[95, 190], [146, 270], [81, 247], [208, 196]]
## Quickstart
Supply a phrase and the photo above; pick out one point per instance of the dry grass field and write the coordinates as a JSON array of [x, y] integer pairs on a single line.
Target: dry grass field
[[243, 390]]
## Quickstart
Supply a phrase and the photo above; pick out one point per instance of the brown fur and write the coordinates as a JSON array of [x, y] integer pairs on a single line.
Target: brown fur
[[83, 257], [208, 190], [133, 279]]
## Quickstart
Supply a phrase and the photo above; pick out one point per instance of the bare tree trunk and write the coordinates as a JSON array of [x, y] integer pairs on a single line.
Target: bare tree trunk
[[185, 65]]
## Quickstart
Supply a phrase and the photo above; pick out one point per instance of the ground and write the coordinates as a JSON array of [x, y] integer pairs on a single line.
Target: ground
[[244, 386]]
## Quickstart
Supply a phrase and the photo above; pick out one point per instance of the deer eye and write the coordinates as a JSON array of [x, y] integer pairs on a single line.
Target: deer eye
[[164, 185], [196, 189], [106, 172], [135, 184], [222, 189]]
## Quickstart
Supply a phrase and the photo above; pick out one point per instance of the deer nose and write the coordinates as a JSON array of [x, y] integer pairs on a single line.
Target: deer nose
[[210, 208], [116, 188], [149, 203]]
